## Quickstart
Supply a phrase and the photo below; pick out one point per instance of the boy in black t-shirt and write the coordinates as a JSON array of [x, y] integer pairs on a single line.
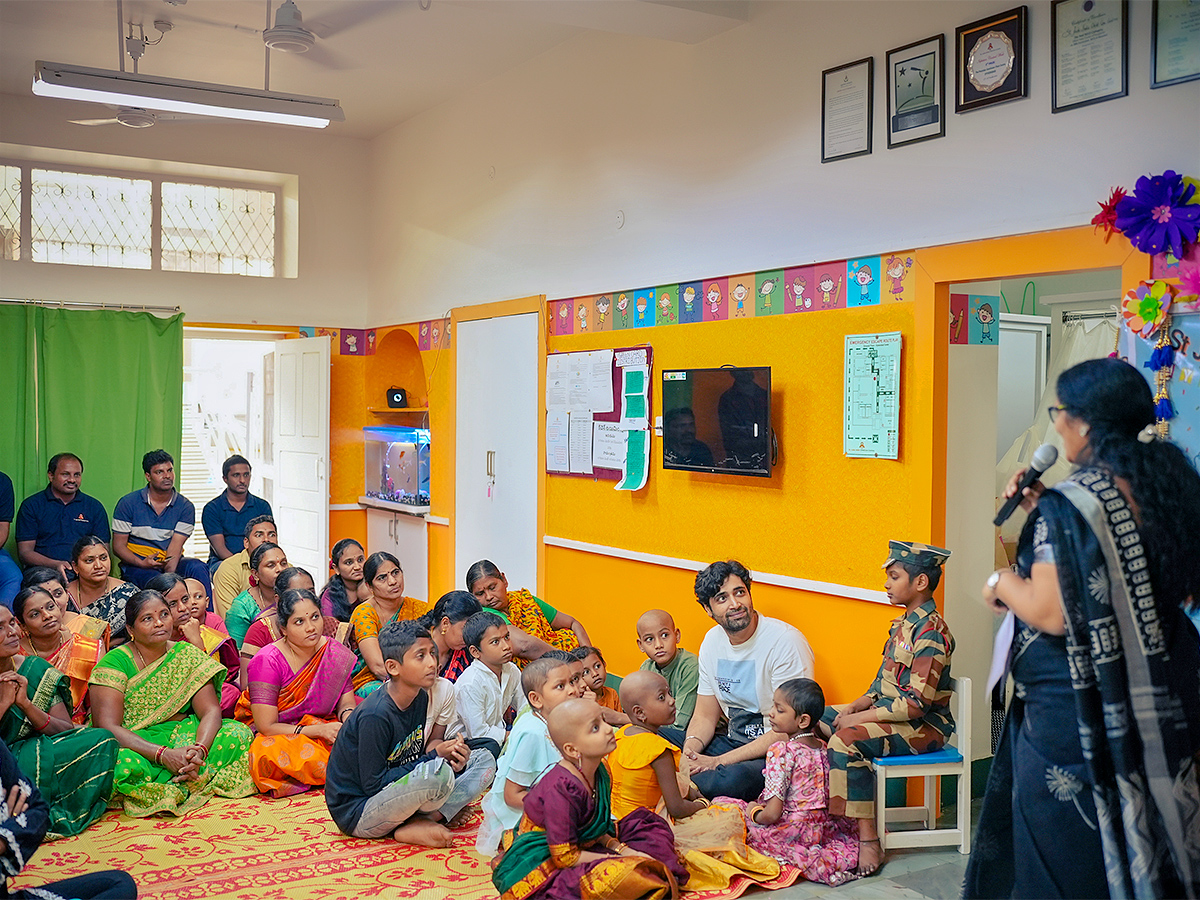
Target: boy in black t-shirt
[[390, 771]]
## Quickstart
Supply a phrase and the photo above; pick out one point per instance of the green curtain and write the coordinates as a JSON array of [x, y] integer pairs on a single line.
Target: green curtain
[[106, 385]]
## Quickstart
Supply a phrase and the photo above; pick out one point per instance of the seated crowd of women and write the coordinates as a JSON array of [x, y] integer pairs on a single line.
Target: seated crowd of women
[[152, 702]]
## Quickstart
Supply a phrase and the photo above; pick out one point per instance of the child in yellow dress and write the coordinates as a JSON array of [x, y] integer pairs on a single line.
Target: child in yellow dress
[[644, 769]]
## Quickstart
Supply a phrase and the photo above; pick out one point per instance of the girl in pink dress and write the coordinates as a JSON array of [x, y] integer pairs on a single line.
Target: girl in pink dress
[[790, 820]]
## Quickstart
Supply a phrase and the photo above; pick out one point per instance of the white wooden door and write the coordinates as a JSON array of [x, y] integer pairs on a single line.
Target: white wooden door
[[301, 452], [1024, 352], [496, 454]]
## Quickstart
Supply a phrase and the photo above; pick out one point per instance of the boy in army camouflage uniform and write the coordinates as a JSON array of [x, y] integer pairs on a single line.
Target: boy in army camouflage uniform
[[907, 708]]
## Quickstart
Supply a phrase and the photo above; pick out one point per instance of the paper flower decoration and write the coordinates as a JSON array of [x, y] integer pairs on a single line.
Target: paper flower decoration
[[1160, 214], [1107, 217], [1146, 306], [1188, 293]]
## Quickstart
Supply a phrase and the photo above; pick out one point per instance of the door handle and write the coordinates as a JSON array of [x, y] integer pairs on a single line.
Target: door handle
[[491, 464], [392, 527]]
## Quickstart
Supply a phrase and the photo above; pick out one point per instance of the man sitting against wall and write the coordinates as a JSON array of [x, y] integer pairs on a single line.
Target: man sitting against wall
[[51, 521], [226, 515], [233, 574], [150, 527], [742, 661]]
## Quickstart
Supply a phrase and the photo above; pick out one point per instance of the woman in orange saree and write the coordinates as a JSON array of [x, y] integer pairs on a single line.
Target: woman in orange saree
[[535, 626], [70, 642], [298, 695]]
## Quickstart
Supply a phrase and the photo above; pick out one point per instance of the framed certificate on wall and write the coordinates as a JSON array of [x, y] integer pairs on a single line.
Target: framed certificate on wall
[[1174, 42], [847, 99], [1089, 52]]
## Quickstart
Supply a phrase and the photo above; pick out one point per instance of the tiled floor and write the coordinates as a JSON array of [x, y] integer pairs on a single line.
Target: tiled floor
[[933, 874]]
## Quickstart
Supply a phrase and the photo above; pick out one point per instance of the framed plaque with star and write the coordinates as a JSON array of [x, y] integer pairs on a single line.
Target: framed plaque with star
[[916, 92]]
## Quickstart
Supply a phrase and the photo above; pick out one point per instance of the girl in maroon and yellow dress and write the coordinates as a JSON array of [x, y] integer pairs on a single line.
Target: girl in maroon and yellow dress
[[387, 604], [534, 625], [299, 693], [265, 629], [566, 843]]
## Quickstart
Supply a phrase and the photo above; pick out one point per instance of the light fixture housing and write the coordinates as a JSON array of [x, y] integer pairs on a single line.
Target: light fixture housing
[[69, 82]]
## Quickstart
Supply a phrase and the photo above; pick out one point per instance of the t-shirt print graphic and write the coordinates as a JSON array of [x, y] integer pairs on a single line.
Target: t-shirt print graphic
[[737, 685]]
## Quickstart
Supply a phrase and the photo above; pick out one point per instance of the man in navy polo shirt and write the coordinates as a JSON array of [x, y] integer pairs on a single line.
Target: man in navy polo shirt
[[226, 515], [51, 521], [150, 527]]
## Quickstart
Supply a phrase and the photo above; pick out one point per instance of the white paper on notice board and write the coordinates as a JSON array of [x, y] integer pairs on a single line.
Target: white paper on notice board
[[556, 382], [608, 445], [580, 436], [558, 458], [600, 389]]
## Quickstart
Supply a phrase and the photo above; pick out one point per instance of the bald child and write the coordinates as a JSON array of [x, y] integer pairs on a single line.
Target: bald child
[[658, 638]]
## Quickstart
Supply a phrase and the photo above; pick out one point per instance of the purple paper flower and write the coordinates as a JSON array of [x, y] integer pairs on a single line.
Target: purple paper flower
[[1159, 214]]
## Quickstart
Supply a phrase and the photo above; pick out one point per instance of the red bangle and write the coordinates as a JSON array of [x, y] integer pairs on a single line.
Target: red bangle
[[158, 755]]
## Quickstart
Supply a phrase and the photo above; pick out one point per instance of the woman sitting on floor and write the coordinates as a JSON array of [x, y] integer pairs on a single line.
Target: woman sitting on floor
[[266, 630], [97, 592], [159, 699], [299, 692], [70, 642], [346, 587], [266, 562], [71, 766], [445, 623], [387, 604], [536, 626], [191, 627]]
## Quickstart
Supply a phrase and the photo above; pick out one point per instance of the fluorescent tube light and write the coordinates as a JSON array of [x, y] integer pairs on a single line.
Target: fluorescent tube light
[[190, 97]]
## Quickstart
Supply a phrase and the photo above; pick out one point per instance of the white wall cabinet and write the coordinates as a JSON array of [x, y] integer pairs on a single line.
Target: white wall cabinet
[[403, 535]]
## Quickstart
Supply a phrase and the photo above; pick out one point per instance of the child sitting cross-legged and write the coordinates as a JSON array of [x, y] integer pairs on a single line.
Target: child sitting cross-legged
[[488, 692], [658, 638], [790, 820], [644, 769], [546, 682], [566, 844], [595, 674], [390, 770]]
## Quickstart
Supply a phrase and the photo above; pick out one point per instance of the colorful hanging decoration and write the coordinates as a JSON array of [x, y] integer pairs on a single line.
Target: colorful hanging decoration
[[1189, 286], [1160, 215], [1162, 364], [1107, 217], [1145, 308]]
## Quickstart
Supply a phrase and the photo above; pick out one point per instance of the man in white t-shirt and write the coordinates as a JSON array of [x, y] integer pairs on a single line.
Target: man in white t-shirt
[[742, 661]]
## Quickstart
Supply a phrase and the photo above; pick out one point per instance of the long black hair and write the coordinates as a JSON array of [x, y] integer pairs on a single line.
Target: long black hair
[[457, 606], [1115, 401], [335, 587]]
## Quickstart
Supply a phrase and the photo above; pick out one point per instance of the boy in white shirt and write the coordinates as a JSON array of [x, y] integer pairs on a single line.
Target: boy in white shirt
[[488, 692]]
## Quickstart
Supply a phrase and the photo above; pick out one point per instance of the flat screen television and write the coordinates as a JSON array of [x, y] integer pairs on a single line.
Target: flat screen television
[[718, 420]]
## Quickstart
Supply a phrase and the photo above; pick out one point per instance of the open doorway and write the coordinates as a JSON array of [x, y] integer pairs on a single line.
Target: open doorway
[[227, 409]]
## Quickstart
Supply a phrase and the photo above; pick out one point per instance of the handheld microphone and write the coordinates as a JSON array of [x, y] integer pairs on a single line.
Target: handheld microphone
[[1043, 458]]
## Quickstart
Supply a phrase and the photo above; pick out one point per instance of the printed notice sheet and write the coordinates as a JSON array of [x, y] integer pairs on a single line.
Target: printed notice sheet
[[608, 445], [556, 382], [635, 404], [872, 423], [579, 436], [557, 448]]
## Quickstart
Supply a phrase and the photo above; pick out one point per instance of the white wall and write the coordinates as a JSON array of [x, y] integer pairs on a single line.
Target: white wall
[[330, 287], [712, 152]]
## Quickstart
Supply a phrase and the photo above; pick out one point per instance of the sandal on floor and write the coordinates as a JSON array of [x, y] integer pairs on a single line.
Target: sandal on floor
[[859, 870]]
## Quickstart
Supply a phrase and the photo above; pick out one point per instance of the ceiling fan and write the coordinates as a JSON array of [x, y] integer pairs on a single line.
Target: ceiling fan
[[133, 117]]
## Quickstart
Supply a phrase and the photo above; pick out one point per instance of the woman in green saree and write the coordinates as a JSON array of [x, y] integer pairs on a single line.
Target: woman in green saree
[[72, 767], [159, 698]]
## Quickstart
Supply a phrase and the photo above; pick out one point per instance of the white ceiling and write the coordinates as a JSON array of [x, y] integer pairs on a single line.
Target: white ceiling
[[384, 60]]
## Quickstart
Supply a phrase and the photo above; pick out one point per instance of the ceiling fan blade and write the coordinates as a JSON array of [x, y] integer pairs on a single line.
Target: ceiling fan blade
[[93, 121], [323, 56], [349, 14]]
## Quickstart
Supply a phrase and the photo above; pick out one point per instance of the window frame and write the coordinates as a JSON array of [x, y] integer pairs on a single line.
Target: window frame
[[156, 179]]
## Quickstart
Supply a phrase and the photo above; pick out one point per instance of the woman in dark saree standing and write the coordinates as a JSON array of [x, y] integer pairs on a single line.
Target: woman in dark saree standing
[[1094, 789]]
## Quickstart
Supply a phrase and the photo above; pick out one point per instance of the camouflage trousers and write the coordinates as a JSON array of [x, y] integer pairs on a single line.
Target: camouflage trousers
[[851, 775]]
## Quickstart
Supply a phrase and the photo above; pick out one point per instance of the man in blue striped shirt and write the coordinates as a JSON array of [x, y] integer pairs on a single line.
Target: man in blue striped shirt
[[150, 527]]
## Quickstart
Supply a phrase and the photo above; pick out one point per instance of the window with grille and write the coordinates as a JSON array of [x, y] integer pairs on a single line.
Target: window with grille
[[137, 222]]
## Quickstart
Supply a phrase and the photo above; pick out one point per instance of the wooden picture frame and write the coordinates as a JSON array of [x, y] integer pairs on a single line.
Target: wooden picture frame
[[1170, 21], [992, 60], [1089, 52], [847, 109], [916, 92]]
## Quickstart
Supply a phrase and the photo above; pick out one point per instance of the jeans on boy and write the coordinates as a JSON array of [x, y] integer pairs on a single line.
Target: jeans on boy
[[742, 780], [431, 786]]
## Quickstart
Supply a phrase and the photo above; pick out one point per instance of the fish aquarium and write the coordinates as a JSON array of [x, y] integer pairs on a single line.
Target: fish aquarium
[[396, 465]]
